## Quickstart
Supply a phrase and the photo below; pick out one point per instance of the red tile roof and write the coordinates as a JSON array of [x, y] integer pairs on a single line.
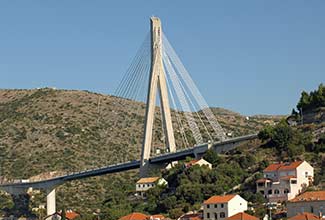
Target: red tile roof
[[305, 216], [287, 177], [134, 216], [148, 180], [242, 216], [219, 199], [310, 196], [71, 215], [283, 166]]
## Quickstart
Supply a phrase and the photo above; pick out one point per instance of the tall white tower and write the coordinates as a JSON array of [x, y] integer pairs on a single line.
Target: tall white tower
[[157, 81]]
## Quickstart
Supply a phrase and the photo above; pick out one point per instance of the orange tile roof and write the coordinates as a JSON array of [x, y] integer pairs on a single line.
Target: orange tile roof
[[134, 216], [283, 166], [219, 199], [310, 196], [192, 162], [287, 177], [305, 216], [71, 215], [242, 216], [148, 180]]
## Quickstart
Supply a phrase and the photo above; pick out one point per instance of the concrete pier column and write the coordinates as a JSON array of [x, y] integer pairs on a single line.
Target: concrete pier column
[[50, 202]]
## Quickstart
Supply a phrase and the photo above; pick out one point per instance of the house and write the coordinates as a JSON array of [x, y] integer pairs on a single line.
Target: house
[[144, 184], [284, 181], [140, 216], [305, 216], [221, 207], [313, 202], [200, 162], [191, 216], [134, 216], [242, 216], [69, 215]]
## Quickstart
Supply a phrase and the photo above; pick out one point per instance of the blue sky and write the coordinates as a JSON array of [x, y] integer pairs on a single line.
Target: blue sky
[[253, 57]]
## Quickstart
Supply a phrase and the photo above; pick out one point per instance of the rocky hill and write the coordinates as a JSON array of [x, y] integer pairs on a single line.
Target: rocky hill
[[48, 130]]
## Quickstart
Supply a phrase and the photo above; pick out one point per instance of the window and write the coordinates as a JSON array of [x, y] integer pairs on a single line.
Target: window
[[215, 205], [208, 206], [222, 215], [293, 181], [222, 205], [262, 192], [260, 184], [269, 192], [286, 191], [215, 215], [276, 191], [306, 174], [311, 209], [208, 215]]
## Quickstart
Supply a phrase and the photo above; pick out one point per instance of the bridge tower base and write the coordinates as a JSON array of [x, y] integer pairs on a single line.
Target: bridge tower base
[[50, 202]]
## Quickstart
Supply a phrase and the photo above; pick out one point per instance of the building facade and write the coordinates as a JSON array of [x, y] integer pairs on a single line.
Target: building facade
[[312, 202], [284, 181], [221, 207], [200, 162], [145, 184]]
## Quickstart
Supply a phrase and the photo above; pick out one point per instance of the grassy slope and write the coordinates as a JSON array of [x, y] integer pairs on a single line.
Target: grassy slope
[[59, 130]]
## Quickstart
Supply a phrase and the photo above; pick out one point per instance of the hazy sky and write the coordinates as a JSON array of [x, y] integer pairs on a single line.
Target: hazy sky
[[253, 57]]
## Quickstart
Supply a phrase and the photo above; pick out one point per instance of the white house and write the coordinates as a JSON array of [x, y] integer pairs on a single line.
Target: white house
[[312, 202], [200, 162], [284, 181], [145, 184], [221, 207]]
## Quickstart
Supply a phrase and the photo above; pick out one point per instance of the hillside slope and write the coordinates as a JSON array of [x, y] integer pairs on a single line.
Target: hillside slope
[[45, 130]]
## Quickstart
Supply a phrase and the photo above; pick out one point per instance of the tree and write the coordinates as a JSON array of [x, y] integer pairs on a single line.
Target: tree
[[213, 157], [266, 133], [282, 135]]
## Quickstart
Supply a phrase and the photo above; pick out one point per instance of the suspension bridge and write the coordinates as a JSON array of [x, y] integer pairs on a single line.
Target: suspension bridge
[[156, 71]]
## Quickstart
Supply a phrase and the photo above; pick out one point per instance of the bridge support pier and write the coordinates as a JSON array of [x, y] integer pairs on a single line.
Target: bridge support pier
[[50, 202]]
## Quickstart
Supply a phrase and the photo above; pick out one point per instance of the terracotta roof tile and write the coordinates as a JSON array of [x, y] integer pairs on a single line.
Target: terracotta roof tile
[[134, 216], [305, 216], [219, 199], [148, 180], [310, 196], [71, 215], [283, 166], [242, 216]]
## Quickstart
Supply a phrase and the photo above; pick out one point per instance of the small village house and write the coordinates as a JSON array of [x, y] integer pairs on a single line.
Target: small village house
[[284, 181], [200, 162], [144, 184], [221, 207], [313, 202]]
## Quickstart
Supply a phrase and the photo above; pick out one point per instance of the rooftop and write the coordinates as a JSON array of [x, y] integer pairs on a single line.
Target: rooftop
[[219, 199], [310, 196], [148, 180], [134, 216], [242, 216], [283, 166], [305, 216]]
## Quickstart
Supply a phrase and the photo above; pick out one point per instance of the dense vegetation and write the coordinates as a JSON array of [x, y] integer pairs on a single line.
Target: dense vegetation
[[312, 100]]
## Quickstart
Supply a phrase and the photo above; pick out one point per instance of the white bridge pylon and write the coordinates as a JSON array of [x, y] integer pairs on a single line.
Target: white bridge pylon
[[157, 82], [157, 65]]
